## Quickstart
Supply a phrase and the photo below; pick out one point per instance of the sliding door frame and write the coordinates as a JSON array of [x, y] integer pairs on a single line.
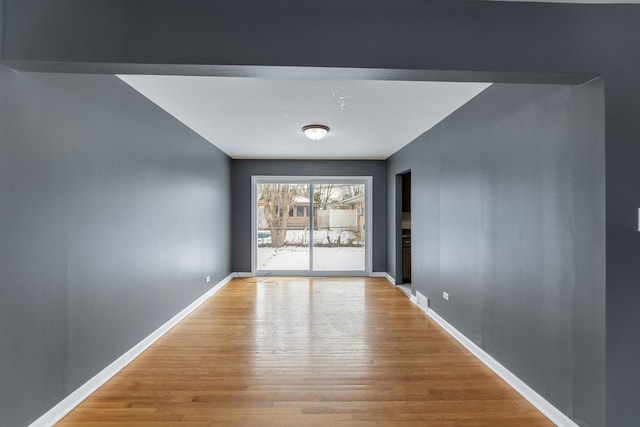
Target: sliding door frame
[[309, 180]]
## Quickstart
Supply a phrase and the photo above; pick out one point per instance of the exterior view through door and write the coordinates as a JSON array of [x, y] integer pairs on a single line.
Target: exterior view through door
[[311, 226]]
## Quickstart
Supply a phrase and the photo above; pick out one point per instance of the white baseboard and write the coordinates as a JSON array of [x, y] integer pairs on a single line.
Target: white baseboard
[[67, 404], [422, 300], [56, 413], [383, 274], [243, 274], [550, 411]]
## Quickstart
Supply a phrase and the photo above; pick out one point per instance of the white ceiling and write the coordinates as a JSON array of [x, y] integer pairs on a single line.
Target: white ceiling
[[262, 118]]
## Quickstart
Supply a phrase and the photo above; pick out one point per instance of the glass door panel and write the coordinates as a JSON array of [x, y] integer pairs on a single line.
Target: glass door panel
[[283, 226], [339, 227]]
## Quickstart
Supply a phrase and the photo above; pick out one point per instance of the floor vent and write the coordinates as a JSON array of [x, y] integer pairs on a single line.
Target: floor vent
[[423, 301]]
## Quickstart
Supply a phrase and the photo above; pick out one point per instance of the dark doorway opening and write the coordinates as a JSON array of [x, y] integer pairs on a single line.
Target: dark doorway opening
[[403, 231]]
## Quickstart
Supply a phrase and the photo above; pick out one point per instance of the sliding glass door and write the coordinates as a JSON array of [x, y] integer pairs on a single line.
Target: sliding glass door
[[283, 226], [311, 226], [339, 227]]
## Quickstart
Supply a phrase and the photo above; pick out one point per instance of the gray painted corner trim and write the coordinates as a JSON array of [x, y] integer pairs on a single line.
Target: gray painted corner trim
[[66, 405], [543, 405]]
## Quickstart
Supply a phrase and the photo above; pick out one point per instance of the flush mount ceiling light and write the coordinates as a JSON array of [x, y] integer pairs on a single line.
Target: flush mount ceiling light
[[315, 132]]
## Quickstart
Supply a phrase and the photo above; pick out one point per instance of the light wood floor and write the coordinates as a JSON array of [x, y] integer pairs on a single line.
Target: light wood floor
[[300, 352]]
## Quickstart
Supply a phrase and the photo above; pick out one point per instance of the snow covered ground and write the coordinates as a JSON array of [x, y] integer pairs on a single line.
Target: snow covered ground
[[320, 237], [324, 259]]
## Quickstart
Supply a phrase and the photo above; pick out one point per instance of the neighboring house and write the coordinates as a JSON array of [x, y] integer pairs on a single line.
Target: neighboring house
[[298, 215], [337, 216]]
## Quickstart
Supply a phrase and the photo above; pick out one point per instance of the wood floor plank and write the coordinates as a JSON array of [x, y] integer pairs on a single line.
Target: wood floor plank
[[306, 352]]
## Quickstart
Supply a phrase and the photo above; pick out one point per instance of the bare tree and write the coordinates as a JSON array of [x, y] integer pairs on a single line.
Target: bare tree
[[322, 194], [351, 190], [277, 200]]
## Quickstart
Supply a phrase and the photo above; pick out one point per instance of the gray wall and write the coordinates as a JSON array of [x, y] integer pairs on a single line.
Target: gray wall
[[508, 217], [110, 220], [483, 36], [242, 170]]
